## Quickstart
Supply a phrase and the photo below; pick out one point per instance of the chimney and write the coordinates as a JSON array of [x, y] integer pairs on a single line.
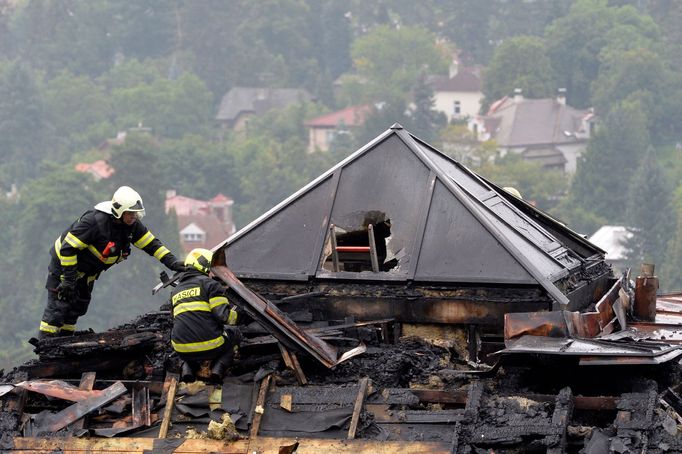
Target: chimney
[[454, 68], [561, 96], [170, 193], [518, 95]]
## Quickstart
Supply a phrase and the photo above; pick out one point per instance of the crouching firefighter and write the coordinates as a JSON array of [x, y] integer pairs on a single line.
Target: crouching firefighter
[[98, 240], [200, 313]]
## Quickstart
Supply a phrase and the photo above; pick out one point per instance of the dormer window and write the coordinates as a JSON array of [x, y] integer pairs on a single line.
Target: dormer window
[[193, 234]]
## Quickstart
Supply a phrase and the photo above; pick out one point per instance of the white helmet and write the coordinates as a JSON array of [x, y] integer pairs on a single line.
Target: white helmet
[[125, 199]]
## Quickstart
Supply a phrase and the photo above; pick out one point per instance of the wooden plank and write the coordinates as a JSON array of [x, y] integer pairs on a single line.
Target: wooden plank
[[271, 445], [260, 406], [298, 371], [286, 402], [70, 414], [373, 249], [285, 356], [335, 254], [362, 391], [86, 384], [123, 445], [291, 363], [260, 444], [140, 409], [170, 399]]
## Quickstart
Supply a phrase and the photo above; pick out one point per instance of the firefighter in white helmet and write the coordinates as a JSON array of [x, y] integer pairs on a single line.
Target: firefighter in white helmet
[[95, 242]]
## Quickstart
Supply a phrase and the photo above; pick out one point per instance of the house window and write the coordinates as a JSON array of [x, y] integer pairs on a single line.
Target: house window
[[457, 108], [192, 237]]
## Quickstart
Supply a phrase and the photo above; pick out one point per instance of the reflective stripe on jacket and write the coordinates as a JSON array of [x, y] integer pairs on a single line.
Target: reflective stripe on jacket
[[200, 309], [97, 241]]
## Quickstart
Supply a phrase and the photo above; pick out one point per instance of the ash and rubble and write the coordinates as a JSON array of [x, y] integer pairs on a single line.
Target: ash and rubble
[[418, 391], [444, 310]]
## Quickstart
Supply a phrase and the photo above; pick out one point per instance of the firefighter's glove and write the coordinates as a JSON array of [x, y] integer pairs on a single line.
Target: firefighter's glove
[[233, 334], [177, 266], [66, 291]]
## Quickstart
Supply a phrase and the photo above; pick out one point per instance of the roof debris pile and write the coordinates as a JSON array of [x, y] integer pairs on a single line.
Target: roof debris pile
[[410, 307], [410, 391]]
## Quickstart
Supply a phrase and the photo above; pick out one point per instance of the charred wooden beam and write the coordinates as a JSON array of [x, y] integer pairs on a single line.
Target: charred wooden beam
[[563, 410], [86, 384], [415, 310], [70, 414], [170, 399], [357, 408], [260, 406]]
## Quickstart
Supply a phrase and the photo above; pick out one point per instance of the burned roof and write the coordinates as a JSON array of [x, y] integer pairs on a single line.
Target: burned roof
[[441, 223]]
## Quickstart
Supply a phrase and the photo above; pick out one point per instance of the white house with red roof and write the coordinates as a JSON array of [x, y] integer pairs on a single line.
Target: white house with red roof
[[324, 129], [201, 223]]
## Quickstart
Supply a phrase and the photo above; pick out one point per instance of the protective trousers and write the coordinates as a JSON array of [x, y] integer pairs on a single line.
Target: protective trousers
[[60, 317]]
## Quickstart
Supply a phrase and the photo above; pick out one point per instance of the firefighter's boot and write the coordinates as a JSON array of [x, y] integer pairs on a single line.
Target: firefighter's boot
[[187, 374], [220, 366]]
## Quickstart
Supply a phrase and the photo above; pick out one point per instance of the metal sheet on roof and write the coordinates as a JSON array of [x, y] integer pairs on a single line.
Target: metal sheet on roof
[[463, 231], [284, 244], [457, 247]]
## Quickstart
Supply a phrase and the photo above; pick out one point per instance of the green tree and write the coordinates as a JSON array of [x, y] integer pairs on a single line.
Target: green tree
[[670, 271], [426, 121], [144, 28], [575, 41], [78, 109], [23, 126], [601, 182], [648, 212], [392, 59], [638, 74], [170, 107], [54, 35], [520, 62]]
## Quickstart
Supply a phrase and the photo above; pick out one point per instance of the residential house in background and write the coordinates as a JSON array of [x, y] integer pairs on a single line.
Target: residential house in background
[[242, 103], [100, 169], [323, 130], [547, 131], [201, 223], [458, 95]]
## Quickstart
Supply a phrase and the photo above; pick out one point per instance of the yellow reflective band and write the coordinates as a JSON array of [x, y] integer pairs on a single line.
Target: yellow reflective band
[[232, 318], [161, 252], [145, 240], [106, 260], [68, 328], [217, 301], [70, 260], [47, 328], [192, 306], [198, 346], [74, 241]]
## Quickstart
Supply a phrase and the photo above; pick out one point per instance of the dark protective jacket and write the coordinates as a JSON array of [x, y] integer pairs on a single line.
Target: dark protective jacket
[[97, 241], [200, 309]]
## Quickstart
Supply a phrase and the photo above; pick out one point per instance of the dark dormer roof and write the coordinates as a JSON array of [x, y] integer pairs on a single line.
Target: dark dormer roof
[[447, 224]]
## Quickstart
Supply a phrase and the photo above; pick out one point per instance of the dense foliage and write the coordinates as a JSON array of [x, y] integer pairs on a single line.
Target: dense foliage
[[74, 74]]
